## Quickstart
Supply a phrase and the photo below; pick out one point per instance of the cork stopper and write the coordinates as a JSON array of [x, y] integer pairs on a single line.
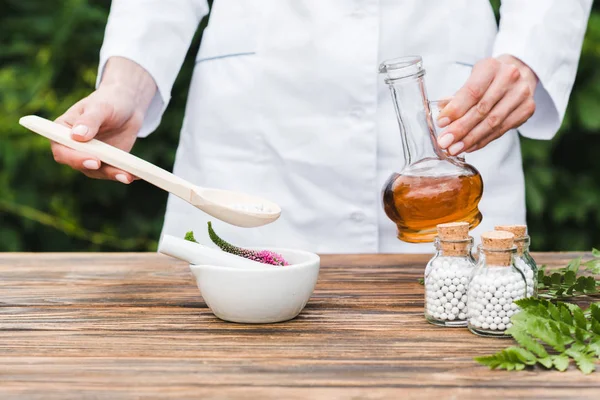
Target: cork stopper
[[454, 238], [520, 231], [495, 242]]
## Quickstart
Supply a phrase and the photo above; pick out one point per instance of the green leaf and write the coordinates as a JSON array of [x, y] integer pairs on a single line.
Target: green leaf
[[492, 361], [581, 284], [542, 268], [189, 236], [546, 362], [584, 362], [547, 332], [519, 367], [527, 341], [594, 346], [596, 252], [574, 265], [579, 346], [595, 310], [421, 281], [579, 318], [569, 278], [596, 327], [593, 266], [528, 303], [521, 320], [572, 307], [565, 329], [511, 358], [554, 312], [541, 275], [565, 315], [590, 284], [555, 278], [580, 335], [562, 326], [561, 362], [523, 355]]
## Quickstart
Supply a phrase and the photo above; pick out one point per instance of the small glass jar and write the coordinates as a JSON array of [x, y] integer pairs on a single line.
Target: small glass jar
[[447, 278], [526, 264], [523, 260], [495, 285]]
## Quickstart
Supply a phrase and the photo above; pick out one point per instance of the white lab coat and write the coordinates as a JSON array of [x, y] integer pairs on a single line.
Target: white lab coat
[[286, 103]]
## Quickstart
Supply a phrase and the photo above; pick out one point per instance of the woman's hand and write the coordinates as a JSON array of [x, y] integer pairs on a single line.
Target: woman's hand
[[497, 97], [113, 114]]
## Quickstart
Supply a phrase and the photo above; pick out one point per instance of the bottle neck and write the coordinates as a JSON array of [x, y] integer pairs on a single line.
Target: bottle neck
[[454, 248], [405, 78], [522, 245], [496, 257]]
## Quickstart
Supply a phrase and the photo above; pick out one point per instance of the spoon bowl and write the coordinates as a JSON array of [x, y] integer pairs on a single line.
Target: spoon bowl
[[239, 209], [236, 208]]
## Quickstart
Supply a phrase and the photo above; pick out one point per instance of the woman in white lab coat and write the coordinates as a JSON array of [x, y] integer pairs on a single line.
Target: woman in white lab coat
[[285, 102]]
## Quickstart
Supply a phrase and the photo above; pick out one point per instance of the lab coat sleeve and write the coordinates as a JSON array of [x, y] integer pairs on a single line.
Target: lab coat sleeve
[[547, 35], [155, 34]]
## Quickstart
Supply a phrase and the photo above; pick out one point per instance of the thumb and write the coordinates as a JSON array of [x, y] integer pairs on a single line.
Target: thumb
[[86, 126]]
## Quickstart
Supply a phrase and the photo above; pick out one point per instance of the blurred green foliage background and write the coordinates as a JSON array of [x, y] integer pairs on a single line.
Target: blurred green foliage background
[[48, 61]]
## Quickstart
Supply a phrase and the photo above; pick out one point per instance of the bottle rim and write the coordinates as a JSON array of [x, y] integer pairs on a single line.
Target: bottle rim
[[402, 67], [523, 239], [468, 240], [513, 249]]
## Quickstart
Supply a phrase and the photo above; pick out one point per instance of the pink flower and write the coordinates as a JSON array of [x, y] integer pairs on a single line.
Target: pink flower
[[261, 256]]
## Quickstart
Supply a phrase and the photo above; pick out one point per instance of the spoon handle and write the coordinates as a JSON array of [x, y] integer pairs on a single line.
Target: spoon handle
[[113, 156], [195, 253]]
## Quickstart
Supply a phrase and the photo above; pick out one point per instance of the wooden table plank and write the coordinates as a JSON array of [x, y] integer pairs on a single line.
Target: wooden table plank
[[134, 326]]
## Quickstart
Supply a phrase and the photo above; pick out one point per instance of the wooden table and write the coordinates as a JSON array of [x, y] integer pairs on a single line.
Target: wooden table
[[110, 326]]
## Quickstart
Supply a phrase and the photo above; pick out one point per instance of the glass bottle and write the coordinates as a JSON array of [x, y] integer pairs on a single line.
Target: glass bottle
[[523, 259], [495, 285], [432, 187], [447, 276]]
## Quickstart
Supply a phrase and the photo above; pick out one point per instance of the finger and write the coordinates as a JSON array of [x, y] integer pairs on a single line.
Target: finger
[[445, 101], [116, 174], [517, 118], [108, 173], [513, 99], [485, 127], [74, 159], [507, 75], [69, 117], [89, 165], [86, 125], [95, 174], [471, 93]]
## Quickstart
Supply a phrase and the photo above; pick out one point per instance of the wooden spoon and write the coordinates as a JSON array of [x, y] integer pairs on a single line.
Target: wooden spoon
[[236, 208]]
